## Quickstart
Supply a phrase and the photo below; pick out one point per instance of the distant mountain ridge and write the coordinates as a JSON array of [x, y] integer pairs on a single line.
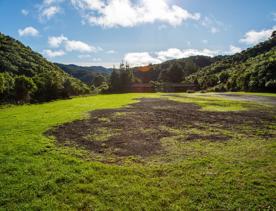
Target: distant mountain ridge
[[85, 74]]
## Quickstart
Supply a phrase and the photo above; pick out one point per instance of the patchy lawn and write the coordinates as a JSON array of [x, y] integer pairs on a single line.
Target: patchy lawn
[[172, 152]]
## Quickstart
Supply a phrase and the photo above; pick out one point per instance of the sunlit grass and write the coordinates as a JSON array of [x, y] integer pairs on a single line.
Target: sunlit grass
[[37, 174], [210, 102]]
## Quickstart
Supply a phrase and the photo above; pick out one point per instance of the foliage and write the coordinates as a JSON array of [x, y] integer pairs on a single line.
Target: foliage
[[27, 76], [86, 74], [99, 80], [121, 80], [250, 70], [174, 70], [24, 87]]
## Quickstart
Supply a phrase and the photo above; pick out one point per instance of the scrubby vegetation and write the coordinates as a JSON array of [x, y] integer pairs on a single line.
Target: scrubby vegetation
[[121, 79], [25, 76], [173, 70], [88, 75], [251, 70]]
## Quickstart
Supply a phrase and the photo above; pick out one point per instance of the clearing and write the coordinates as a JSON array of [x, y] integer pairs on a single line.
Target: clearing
[[138, 129], [139, 152]]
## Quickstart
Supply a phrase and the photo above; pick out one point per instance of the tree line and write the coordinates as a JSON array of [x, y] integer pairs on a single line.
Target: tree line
[[25, 76]]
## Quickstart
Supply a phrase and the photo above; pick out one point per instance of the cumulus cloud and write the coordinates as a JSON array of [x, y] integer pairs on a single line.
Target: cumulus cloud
[[49, 12], [55, 42], [48, 9], [71, 45], [52, 54], [126, 13], [50, 2], [175, 53], [254, 37], [141, 59], [234, 49], [28, 31], [75, 45], [145, 58]]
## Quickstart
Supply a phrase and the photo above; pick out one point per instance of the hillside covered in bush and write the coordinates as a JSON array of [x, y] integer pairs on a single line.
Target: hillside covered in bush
[[25, 76], [88, 75], [173, 70], [251, 70]]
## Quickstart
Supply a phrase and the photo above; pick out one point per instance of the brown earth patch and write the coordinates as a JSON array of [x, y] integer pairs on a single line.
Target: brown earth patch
[[136, 130]]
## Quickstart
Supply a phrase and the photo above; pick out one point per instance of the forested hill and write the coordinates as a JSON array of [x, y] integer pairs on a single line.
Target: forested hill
[[174, 70], [251, 70], [26, 76], [85, 74]]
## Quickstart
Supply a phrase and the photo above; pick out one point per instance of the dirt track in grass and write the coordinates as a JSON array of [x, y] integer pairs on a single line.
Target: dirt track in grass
[[136, 130]]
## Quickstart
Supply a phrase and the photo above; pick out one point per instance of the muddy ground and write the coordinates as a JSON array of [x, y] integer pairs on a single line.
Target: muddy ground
[[136, 130]]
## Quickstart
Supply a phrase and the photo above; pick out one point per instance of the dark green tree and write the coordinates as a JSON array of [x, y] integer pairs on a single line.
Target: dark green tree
[[99, 80], [115, 81], [24, 87], [176, 73]]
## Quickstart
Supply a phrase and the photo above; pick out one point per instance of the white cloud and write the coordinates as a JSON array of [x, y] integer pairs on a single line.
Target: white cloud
[[28, 31], [140, 59], [233, 50], [48, 9], [72, 45], [25, 12], [52, 54], [55, 42], [88, 4], [75, 45], [145, 58], [254, 37], [49, 12], [175, 53], [125, 13], [204, 41], [49, 2]]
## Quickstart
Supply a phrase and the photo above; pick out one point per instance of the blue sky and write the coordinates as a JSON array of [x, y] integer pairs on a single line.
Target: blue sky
[[105, 32]]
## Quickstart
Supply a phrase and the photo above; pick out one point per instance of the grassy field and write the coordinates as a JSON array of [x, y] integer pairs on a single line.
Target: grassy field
[[36, 173]]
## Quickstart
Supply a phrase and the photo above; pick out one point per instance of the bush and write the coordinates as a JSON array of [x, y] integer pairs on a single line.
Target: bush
[[24, 87]]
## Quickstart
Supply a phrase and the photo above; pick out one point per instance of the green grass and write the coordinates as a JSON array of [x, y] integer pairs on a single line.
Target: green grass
[[37, 174], [210, 102], [255, 93]]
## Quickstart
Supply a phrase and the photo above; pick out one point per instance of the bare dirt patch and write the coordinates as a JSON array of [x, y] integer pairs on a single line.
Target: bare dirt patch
[[136, 130]]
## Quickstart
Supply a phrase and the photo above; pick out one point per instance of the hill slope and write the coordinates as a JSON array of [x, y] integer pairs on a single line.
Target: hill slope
[[26, 76], [85, 74], [174, 70], [251, 70]]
